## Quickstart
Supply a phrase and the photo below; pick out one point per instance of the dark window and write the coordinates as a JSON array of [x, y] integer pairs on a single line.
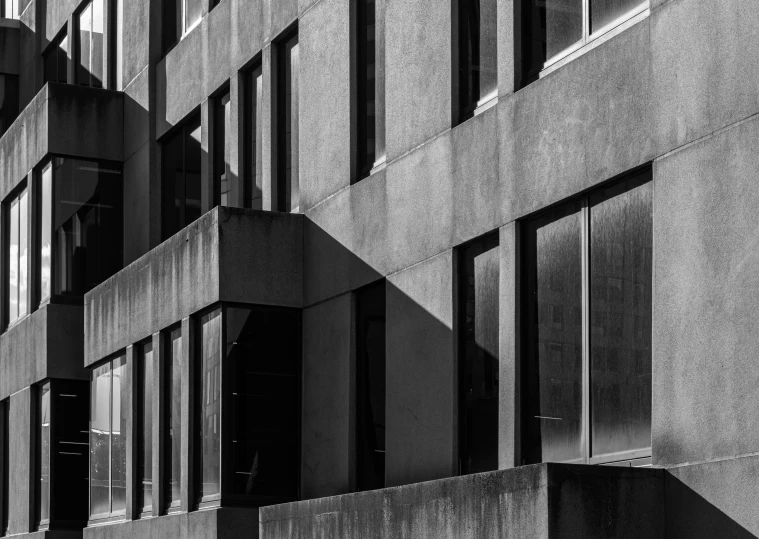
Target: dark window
[[588, 339], [288, 188], [117, 45], [370, 85], [108, 440], [181, 161], [226, 189], [370, 386], [145, 433], [173, 410], [5, 461], [179, 17], [91, 65], [478, 283], [8, 101], [9, 9], [253, 139], [17, 210], [209, 409], [56, 60], [476, 60], [43, 455]]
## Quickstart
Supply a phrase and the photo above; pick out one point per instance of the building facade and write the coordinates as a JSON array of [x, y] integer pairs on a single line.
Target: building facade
[[378, 268]]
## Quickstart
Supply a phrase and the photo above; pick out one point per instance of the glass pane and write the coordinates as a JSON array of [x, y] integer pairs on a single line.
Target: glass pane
[[13, 263], [366, 84], [97, 63], [263, 351], [85, 45], [43, 509], [563, 24], [119, 405], [46, 225], [193, 12], [172, 171], [553, 373], [6, 411], [223, 185], [210, 404], [100, 417], [603, 12], [8, 101], [118, 45], [62, 60], [288, 190], [621, 236], [254, 187], [477, 52], [192, 163], [145, 454], [23, 253], [173, 402]]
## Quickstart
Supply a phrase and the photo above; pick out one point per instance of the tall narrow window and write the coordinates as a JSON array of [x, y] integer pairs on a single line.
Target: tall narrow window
[[370, 386], [117, 49], [43, 455], [181, 158], [8, 101], [45, 230], [173, 411], [478, 285], [370, 85], [288, 187], [226, 190], [5, 462], [209, 412], [477, 62], [55, 60], [18, 253], [107, 440], [9, 9], [179, 17], [145, 411], [91, 65], [587, 372], [254, 139]]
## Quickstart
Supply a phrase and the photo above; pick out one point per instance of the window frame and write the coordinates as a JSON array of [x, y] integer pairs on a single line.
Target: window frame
[[138, 409], [52, 48], [168, 195], [77, 48], [253, 134], [14, 4], [14, 198], [282, 125]]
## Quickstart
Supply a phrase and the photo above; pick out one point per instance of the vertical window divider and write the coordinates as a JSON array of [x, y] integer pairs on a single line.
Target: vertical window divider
[[585, 245]]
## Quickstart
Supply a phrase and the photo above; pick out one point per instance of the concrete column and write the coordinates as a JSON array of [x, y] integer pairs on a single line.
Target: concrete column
[[187, 483], [509, 351], [269, 127], [159, 424], [130, 389], [421, 374], [509, 51], [21, 462]]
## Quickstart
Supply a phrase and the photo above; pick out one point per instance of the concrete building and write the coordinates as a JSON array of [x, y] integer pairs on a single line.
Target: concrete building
[[379, 268]]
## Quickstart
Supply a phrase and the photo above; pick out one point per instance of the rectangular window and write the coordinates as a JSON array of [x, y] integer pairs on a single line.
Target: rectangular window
[[587, 374], [288, 188], [43, 455], [45, 230], [5, 415], [55, 60], [173, 411], [91, 63], [476, 61], [226, 191], [181, 162], [18, 255], [145, 433], [254, 139], [8, 101], [370, 85], [9, 9], [209, 410], [179, 17], [118, 45], [108, 440], [478, 293], [370, 386], [553, 29]]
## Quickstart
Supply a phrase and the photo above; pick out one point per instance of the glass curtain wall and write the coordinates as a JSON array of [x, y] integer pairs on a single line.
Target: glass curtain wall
[[288, 187]]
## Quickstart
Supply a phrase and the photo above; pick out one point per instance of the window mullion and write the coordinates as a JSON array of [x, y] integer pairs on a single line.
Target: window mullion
[[585, 246], [585, 21]]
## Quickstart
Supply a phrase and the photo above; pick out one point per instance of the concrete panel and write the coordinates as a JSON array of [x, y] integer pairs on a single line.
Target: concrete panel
[[135, 40], [599, 127], [136, 114], [21, 463], [508, 31], [418, 71], [421, 374], [705, 66], [247, 30], [282, 14], [10, 37], [706, 294], [508, 347], [180, 87], [217, 47], [326, 439], [56, 14], [325, 101]]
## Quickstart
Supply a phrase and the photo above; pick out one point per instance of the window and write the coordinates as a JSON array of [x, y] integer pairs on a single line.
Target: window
[[5, 431], [370, 386], [117, 50], [179, 17], [61, 454], [173, 418], [145, 434], [586, 382], [288, 188], [552, 29], [8, 101], [254, 139], [17, 211], [476, 62], [209, 409], [55, 60], [82, 200], [226, 191], [108, 440], [370, 85], [9, 9], [181, 160], [91, 63], [478, 289]]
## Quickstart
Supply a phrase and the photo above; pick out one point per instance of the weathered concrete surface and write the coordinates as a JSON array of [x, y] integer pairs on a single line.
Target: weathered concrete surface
[[48, 343], [227, 255], [49, 534], [10, 42], [221, 523], [21, 462], [706, 295], [541, 501]]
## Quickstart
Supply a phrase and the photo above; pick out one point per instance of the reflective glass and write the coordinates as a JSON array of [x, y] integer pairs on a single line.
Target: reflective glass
[[118, 435], [254, 187], [192, 163], [45, 232], [85, 46], [145, 455], [69, 407], [23, 253], [97, 63], [553, 372], [100, 432], [477, 53], [603, 12], [13, 249], [193, 13], [43, 508], [9, 9], [173, 392], [210, 405], [563, 24], [288, 190], [6, 415], [621, 237]]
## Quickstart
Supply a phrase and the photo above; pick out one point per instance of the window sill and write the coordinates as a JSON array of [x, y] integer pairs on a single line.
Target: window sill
[[104, 521]]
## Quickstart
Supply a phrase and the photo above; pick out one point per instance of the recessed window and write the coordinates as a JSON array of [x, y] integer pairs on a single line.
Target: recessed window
[[91, 60], [180, 163], [55, 60], [5, 447], [108, 405], [9, 9], [179, 17], [172, 406], [17, 211], [287, 185], [226, 187], [209, 409], [476, 81], [586, 381], [8, 101], [146, 371], [253, 190]]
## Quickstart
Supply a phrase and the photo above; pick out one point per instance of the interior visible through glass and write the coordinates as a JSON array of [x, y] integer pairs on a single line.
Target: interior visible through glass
[[210, 405]]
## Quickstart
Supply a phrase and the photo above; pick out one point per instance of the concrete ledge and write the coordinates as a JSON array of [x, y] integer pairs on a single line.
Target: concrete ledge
[[242, 256], [48, 534], [541, 501], [223, 522], [46, 344]]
